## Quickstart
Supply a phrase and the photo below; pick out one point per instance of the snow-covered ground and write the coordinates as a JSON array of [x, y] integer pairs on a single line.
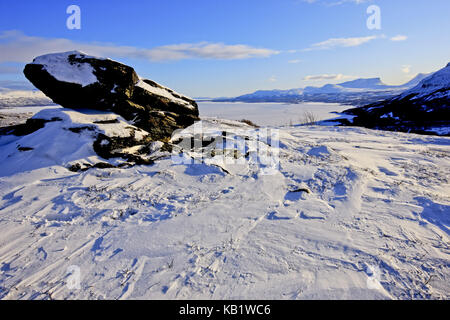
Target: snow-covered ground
[[351, 213], [12, 116], [270, 114], [28, 110]]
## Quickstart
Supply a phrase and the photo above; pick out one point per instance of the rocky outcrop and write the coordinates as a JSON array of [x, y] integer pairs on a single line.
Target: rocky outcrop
[[78, 140], [77, 81]]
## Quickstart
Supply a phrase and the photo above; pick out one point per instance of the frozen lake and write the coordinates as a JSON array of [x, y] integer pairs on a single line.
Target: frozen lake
[[263, 114], [30, 109], [270, 114]]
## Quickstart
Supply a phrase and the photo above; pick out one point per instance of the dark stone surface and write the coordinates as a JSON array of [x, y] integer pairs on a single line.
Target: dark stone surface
[[109, 150]]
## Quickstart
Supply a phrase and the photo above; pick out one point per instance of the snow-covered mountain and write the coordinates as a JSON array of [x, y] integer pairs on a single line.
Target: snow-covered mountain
[[267, 94], [356, 92], [371, 83], [358, 85], [425, 108], [362, 86], [15, 85], [436, 86], [416, 80], [23, 98]]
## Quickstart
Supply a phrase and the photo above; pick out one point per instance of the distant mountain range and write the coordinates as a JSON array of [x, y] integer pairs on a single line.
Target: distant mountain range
[[425, 108], [23, 98], [422, 105], [357, 92], [12, 85], [21, 94]]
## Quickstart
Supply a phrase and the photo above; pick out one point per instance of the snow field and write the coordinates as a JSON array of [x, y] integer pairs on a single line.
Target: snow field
[[345, 202]]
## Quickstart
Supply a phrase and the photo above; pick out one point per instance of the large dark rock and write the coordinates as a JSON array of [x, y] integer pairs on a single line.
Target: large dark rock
[[78, 81]]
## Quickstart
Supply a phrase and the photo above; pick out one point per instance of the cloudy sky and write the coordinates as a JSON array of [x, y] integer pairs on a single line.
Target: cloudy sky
[[230, 47]]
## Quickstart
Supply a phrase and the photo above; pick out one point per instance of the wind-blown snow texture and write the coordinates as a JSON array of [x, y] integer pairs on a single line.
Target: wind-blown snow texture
[[375, 223]]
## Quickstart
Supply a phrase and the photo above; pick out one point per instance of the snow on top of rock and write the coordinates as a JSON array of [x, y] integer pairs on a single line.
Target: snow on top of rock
[[68, 137], [75, 119], [58, 65], [210, 127], [165, 92]]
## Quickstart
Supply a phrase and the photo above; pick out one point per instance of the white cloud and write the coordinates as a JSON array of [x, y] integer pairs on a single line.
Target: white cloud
[[272, 79], [18, 47], [326, 77], [399, 38], [295, 61], [406, 69], [340, 42]]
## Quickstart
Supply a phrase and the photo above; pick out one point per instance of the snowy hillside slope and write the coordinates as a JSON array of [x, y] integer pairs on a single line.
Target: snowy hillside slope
[[350, 214], [423, 109], [435, 86]]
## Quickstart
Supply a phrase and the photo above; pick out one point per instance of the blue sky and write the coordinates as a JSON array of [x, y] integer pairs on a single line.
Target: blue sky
[[226, 48]]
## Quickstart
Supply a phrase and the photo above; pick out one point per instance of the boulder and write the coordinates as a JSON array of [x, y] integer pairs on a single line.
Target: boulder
[[78, 140], [77, 81]]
